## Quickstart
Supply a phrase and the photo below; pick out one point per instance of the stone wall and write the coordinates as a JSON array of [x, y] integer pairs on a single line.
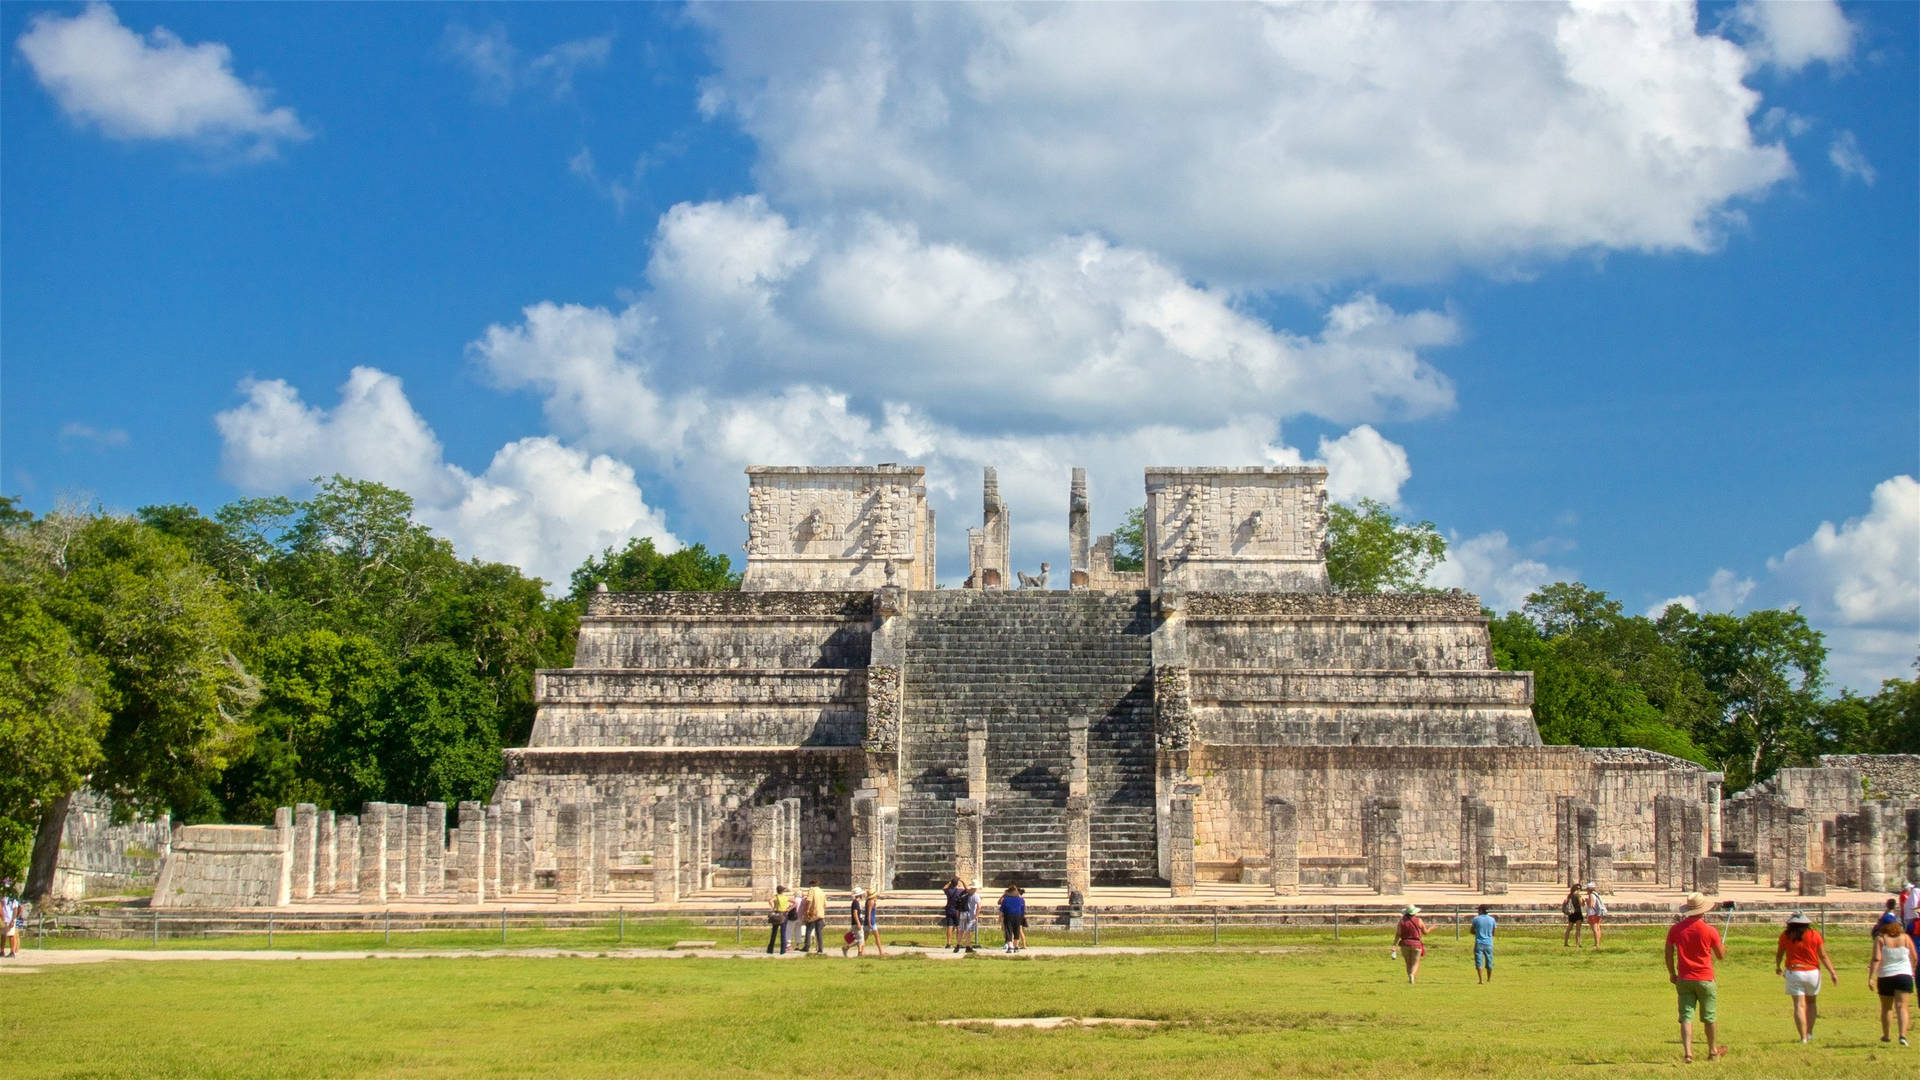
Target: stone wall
[[844, 527], [1259, 529], [1887, 776], [227, 866], [99, 856], [1331, 785], [791, 707]]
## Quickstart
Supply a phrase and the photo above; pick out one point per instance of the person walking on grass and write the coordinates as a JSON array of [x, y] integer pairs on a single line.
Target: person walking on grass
[[1803, 952], [778, 909], [1891, 972], [1013, 913], [1889, 916], [950, 915], [816, 916], [1596, 909], [1573, 908], [1410, 939], [1692, 947], [970, 917], [1483, 927]]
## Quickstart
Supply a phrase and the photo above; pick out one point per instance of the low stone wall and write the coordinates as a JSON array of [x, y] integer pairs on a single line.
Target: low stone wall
[[1887, 776], [227, 866], [99, 856], [857, 606], [775, 641], [796, 707], [1338, 643]]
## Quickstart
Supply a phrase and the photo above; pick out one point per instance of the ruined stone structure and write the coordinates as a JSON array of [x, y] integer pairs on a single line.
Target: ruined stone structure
[[1223, 716]]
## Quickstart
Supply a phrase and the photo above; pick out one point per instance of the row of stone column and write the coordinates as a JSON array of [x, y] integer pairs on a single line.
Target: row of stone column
[[1482, 867], [682, 847], [774, 855], [392, 851], [1855, 848], [1679, 841], [1578, 854]]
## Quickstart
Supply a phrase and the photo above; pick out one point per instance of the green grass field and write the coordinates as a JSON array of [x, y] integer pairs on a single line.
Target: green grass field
[[1315, 1008]]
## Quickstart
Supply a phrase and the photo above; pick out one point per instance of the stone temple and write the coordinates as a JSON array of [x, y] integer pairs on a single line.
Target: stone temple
[[1221, 716]]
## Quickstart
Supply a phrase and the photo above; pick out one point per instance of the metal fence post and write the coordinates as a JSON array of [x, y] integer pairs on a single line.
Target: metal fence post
[[156, 929], [386, 926], [503, 925], [1456, 922], [1095, 916], [1216, 926], [622, 938], [1336, 924], [736, 928], [40, 938], [269, 929]]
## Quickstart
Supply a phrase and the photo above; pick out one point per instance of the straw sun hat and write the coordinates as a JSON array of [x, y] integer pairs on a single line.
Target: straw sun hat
[[1695, 904]]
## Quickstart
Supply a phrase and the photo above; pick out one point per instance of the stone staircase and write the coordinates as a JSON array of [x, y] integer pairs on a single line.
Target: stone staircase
[[1024, 662]]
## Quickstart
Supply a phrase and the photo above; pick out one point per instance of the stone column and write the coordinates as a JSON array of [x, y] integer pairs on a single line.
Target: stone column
[[690, 815], [889, 843], [566, 854], [1079, 824], [326, 854], [1845, 863], [417, 843], [1796, 846], [1469, 839], [511, 875], [490, 864], [283, 834], [306, 839], [796, 861], [1813, 883], [1393, 866], [781, 837], [1716, 783], [1588, 822], [473, 853], [1496, 876], [1180, 841], [1912, 818], [373, 853], [977, 759], [589, 844], [1601, 865], [969, 841], [1483, 843], [397, 849], [1567, 864], [764, 872], [1782, 865], [1693, 840], [864, 857], [1283, 839], [346, 878], [1662, 850], [1873, 871], [529, 822], [1706, 875], [666, 851], [433, 876], [1761, 815]]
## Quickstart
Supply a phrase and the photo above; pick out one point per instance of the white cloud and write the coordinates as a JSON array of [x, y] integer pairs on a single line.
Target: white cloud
[[495, 63], [1846, 155], [1256, 145], [1490, 567], [613, 189], [1790, 34], [73, 431], [156, 87], [1725, 591], [1363, 464], [540, 505]]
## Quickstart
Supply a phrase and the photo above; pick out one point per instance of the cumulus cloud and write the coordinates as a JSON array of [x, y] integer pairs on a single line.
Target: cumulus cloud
[[1725, 591], [1846, 155], [1492, 568], [1257, 145], [1790, 34], [156, 87], [540, 504], [499, 68]]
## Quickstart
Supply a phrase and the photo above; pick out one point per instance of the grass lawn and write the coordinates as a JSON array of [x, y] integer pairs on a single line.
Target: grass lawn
[[1315, 1009]]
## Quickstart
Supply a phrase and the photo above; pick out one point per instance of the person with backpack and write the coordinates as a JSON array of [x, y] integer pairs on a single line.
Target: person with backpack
[[1410, 939], [950, 915], [780, 909], [1575, 912], [1596, 911]]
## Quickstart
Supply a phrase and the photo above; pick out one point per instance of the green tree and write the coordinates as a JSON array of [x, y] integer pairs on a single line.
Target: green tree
[[639, 567], [1765, 670], [1370, 549], [1886, 723], [1130, 542], [51, 721], [1580, 697]]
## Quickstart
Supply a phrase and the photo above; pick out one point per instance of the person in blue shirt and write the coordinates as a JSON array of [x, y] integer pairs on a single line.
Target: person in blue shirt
[[1483, 927], [1013, 919]]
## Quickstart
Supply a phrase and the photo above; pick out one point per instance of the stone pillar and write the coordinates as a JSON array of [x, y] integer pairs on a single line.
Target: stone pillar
[[529, 822], [433, 876], [889, 843], [1796, 846], [1483, 843], [1079, 531], [1782, 864], [690, 813], [1813, 883], [397, 849], [796, 853], [710, 816], [1180, 841], [1386, 863], [1716, 783], [1912, 849], [306, 839], [969, 841], [283, 833], [865, 858], [1600, 862], [1079, 823], [373, 853], [472, 856], [510, 873], [1567, 864], [1761, 815], [1662, 849], [1283, 838], [1873, 870], [666, 851], [764, 856], [1496, 875], [1588, 822], [1469, 840], [346, 878], [1693, 840], [1077, 756], [1845, 863], [416, 850], [326, 854], [589, 845], [490, 864], [1706, 874], [566, 854], [609, 841], [977, 759]]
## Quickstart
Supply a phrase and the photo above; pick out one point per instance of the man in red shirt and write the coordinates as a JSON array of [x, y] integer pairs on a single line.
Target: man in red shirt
[[1695, 945]]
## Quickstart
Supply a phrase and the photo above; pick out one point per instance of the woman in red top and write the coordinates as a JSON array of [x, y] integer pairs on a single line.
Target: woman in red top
[[1409, 939], [1803, 952]]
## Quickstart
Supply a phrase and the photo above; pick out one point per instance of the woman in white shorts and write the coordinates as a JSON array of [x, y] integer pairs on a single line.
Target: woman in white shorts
[[1803, 952]]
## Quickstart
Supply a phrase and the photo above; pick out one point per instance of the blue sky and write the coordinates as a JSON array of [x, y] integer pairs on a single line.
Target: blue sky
[[1629, 295]]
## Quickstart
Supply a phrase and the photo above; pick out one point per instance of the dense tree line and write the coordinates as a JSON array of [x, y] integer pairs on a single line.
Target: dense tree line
[[329, 650]]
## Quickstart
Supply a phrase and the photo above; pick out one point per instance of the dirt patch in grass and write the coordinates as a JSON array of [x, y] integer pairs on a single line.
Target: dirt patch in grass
[[1048, 1023]]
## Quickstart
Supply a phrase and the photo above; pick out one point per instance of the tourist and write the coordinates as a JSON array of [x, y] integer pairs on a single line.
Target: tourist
[[816, 924], [970, 918], [1803, 952], [779, 908], [1891, 972], [870, 927], [1574, 909], [1013, 913], [1891, 916], [1692, 947], [1910, 908], [1596, 910], [1022, 894], [9, 922], [950, 915], [1483, 927], [1409, 939]]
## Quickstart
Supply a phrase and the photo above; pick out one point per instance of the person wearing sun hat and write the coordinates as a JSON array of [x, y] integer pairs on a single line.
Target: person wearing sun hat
[[1409, 939], [1803, 951], [1692, 947]]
